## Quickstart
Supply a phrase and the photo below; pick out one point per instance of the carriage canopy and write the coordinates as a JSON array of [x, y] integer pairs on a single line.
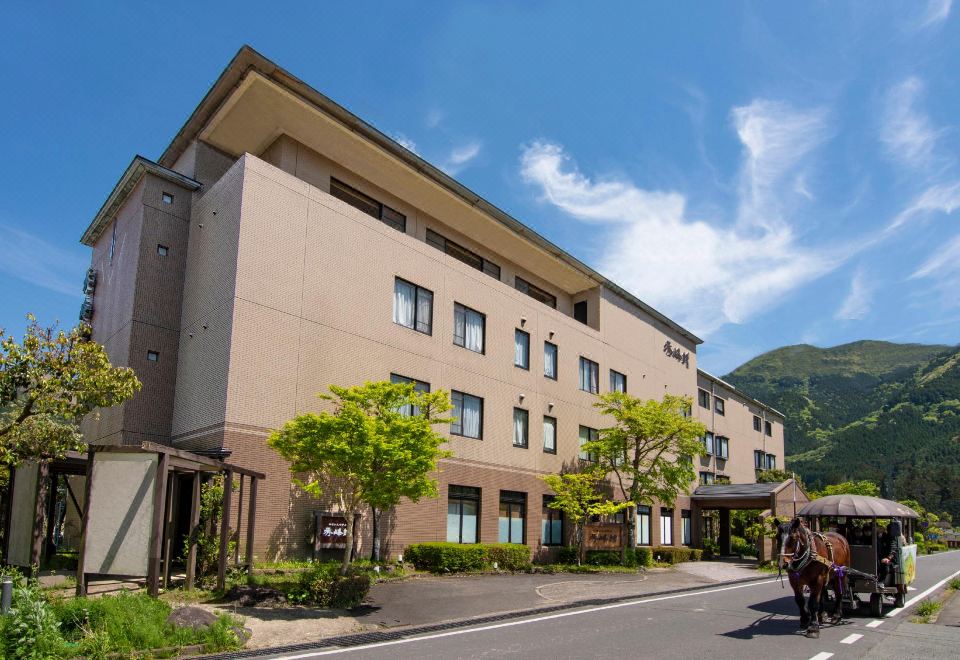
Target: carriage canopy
[[856, 506]]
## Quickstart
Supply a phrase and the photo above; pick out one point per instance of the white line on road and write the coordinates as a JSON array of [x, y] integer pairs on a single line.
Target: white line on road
[[850, 639], [823, 655], [923, 594], [874, 624], [560, 615]]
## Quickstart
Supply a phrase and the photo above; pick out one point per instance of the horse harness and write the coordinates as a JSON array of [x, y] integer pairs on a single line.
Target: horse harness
[[810, 553]]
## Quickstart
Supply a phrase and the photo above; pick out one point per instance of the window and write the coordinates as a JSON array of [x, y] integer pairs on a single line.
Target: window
[[163, 250], [723, 479], [468, 415], [409, 409], [550, 360], [708, 443], [768, 428], [166, 198], [461, 253], [588, 434], [723, 447], [589, 376], [643, 525], [521, 428], [718, 405], [521, 349], [550, 434], [707, 478], [580, 311], [153, 356], [618, 382], [551, 524], [771, 462], [412, 306], [469, 328], [513, 514], [463, 514], [368, 205], [686, 529], [666, 526], [113, 241], [756, 423], [704, 397], [758, 460], [535, 292]]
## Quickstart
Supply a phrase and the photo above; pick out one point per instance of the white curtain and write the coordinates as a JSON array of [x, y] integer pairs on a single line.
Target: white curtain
[[643, 526], [424, 310], [550, 361], [549, 435], [521, 348], [519, 428], [404, 294], [471, 417], [474, 334]]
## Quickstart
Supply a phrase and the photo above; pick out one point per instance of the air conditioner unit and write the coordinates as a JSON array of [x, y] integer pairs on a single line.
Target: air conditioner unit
[[86, 310], [90, 282]]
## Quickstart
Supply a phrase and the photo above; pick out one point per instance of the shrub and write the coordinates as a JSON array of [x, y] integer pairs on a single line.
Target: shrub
[[936, 547], [711, 548], [741, 546], [672, 555], [349, 591], [446, 557], [509, 556], [927, 609], [603, 557], [644, 556], [31, 629], [568, 555]]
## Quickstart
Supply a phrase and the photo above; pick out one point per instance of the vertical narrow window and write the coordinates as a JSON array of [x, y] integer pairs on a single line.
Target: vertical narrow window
[[768, 428], [756, 423], [521, 428], [467, 415], [412, 306], [113, 241], [463, 514], [551, 523], [513, 514], [588, 434], [550, 434], [580, 311], [686, 529], [409, 409], [550, 360], [618, 381], [708, 443], [469, 328], [723, 447], [703, 397], [589, 376], [666, 526], [521, 349], [643, 525], [719, 405], [771, 462], [758, 460]]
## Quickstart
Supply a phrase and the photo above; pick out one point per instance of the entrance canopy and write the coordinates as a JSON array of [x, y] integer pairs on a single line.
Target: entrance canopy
[[765, 497]]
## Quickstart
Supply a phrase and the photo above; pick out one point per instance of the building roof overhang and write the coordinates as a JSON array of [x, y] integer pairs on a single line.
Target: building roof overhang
[[741, 496], [741, 393]]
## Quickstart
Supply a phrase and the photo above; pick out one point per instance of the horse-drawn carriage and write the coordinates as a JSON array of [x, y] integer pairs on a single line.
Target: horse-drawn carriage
[[849, 545]]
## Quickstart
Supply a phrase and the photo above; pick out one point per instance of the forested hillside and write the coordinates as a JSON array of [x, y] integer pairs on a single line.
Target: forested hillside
[[868, 410]]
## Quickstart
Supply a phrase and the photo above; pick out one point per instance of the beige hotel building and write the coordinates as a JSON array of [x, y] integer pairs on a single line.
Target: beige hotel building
[[280, 244]]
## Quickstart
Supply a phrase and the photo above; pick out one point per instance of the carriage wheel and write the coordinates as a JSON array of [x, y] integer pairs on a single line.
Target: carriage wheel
[[876, 605]]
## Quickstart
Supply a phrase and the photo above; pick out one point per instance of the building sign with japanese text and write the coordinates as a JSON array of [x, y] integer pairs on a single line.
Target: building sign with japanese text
[[677, 353]]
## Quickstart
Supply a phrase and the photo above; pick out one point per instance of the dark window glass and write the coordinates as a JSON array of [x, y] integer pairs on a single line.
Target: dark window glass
[[521, 428], [521, 349], [463, 514], [513, 515], [163, 250], [769, 428], [463, 254], [618, 381], [756, 423], [704, 397], [469, 328], [708, 443], [153, 356], [410, 410], [580, 311], [706, 478], [771, 462], [467, 415], [550, 360], [719, 405], [723, 447], [589, 376], [643, 525], [686, 529], [588, 434], [551, 523], [368, 205], [758, 460], [412, 306], [535, 292]]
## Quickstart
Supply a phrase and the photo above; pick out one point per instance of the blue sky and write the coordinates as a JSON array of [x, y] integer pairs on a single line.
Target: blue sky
[[765, 173]]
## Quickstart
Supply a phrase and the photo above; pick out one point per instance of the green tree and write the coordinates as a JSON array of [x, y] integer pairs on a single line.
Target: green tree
[[48, 382], [862, 487], [371, 450], [776, 476], [578, 495], [650, 448]]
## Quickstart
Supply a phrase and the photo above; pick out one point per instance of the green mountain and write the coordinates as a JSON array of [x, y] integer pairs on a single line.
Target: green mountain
[[868, 410]]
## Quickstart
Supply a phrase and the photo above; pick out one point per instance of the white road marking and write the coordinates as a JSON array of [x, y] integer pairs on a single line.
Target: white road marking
[[874, 624], [850, 639], [923, 594], [560, 615], [822, 656]]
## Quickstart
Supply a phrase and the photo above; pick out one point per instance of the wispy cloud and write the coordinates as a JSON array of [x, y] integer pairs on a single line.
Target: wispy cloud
[[405, 142], [906, 130], [34, 260], [935, 13], [461, 156], [943, 262], [859, 300], [705, 272], [940, 198]]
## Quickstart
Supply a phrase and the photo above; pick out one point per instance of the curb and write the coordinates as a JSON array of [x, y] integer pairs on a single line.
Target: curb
[[374, 636]]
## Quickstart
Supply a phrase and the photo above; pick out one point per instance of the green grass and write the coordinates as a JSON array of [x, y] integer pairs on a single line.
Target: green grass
[[926, 609], [954, 584], [767, 567]]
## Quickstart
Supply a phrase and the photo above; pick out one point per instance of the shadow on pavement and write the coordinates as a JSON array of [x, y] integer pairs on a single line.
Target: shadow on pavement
[[766, 626]]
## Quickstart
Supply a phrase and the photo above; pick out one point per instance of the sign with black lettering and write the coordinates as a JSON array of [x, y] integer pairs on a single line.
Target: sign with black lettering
[[677, 353]]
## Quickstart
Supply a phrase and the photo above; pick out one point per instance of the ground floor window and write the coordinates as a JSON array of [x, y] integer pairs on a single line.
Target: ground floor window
[[551, 524], [643, 525], [666, 526], [513, 515], [686, 532], [463, 514]]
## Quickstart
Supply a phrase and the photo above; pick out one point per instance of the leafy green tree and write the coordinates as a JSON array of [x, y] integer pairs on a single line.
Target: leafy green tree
[[862, 487], [776, 476], [370, 451], [48, 382], [578, 495]]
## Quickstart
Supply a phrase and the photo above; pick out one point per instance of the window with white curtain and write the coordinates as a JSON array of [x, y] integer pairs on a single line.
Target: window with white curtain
[[550, 360], [618, 381], [588, 434], [409, 409], [412, 306], [708, 442], [467, 415], [723, 447], [643, 525], [521, 428], [666, 527], [589, 376], [686, 529], [521, 349], [550, 434], [469, 328]]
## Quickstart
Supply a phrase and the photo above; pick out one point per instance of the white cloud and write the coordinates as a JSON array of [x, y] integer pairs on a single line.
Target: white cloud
[[940, 198], [858, 302], [405, 142], [34, 260], [461, 156], [935, 12], [945, 261], [906, 130], [704, 273], [433, 118]]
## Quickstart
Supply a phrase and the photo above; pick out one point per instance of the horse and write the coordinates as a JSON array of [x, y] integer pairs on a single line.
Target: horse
[[813, 560]]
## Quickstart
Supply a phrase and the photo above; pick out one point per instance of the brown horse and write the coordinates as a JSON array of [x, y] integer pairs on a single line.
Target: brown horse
[[813, 560]]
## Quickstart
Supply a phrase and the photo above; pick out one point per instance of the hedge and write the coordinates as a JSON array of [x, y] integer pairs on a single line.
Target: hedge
[[462, 557], [672, 555], [637, 557]]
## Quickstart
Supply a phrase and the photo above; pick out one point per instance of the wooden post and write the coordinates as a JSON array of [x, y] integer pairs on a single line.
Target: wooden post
[[168, 528], [156, 538], [224, 531], [194, 524], [84, 518], [48, 547], [251, 521], [43, 472], [236, 548]]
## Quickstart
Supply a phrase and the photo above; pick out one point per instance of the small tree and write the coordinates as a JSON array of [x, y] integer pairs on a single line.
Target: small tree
[[578, 496], [849, 488], [650, 448], [776, 476], [371, 451], [48, 382]]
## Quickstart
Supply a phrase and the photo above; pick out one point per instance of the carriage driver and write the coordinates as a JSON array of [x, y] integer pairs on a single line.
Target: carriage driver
[[886, 553]]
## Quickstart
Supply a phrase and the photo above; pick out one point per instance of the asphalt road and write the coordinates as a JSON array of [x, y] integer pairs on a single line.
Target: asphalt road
[[755, 620]]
